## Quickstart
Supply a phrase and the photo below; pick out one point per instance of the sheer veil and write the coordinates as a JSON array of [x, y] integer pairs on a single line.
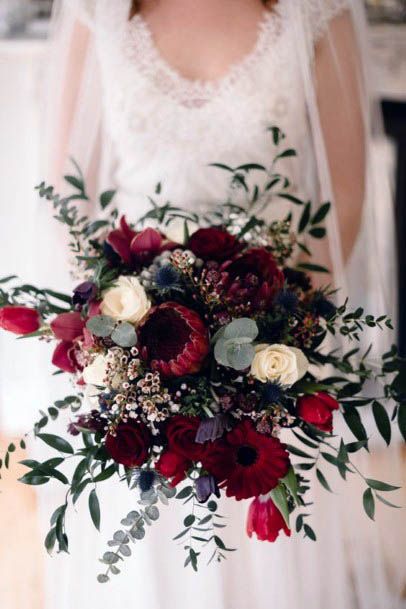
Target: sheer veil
[[75, 129]]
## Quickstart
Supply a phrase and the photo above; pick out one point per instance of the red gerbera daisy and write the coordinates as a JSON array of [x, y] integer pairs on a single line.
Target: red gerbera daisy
[[174, 340], [247, 463]]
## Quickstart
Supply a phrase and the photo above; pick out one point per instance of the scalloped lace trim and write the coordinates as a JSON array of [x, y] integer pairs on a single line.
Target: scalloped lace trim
[[194, 93]]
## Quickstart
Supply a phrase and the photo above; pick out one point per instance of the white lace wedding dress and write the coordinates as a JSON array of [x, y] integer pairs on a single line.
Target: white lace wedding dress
[[164, 128]]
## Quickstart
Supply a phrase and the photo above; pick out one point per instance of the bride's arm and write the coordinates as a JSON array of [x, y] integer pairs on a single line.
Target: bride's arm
[[340, 97]]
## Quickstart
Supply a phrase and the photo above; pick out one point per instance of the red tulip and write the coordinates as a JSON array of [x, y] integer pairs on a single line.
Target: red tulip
[[62, 357], [19, 320], [265, 520], [318, 410], [68, 326]]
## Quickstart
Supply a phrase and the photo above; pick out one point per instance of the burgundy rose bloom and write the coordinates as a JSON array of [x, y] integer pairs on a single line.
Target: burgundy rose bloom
[[174, 340], [68, 326], [137, 248], [252, 279], [181, 433], [19, 320], [130, 444], [265, 520], [214, 243], [318, 410], [247, 463], [173, 466]]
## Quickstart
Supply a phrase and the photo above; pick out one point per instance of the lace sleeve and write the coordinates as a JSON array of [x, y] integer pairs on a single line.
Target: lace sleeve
[[319, 13]]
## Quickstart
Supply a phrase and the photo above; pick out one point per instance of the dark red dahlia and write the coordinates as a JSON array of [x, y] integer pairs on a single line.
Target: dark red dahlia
[[265, 520], [214, 243], [247, 463], [174, 340], [130, 444], [252, 279], [137, 248]]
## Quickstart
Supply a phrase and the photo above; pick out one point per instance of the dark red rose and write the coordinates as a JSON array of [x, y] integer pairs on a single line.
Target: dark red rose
[[173, 466], [318, 410], [68, 326], [265, 520], [214, 243], [181, 433], [252, 279], [137, 248], [130, 444], [174, 340], [247, 463], [19, 320]]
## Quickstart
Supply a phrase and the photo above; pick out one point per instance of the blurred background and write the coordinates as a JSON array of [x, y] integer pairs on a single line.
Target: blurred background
[[24, 27]]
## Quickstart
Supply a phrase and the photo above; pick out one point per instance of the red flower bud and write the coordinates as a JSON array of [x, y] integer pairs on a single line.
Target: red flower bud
[[265, 520], [62, 357], [318, 410], [19, 320], [68, 326]]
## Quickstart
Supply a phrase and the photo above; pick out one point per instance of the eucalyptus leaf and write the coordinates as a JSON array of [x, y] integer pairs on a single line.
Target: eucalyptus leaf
[[94, 508], [124, 335], [241, 328], [101, 325]]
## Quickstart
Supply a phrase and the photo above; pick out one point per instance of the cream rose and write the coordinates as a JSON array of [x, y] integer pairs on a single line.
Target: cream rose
[[96, 372], [126, 300], [278, 363]]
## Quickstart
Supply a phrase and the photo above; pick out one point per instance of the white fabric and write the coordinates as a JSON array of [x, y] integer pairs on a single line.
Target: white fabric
[[157, 126]]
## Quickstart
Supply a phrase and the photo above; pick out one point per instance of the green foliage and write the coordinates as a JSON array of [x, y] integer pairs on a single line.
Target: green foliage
[[233, 344]]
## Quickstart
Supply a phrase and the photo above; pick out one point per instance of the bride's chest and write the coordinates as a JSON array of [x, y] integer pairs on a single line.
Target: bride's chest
[[147, 101]]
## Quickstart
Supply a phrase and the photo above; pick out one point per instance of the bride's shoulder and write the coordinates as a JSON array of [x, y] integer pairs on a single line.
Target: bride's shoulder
[[318, 13]]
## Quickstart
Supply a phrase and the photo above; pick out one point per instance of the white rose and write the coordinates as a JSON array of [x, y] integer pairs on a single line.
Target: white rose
[[96, 372], [175, 230], [126, 300], [278, 363]]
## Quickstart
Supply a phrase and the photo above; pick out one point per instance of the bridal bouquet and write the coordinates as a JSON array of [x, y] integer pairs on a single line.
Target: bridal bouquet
[[197, 349]]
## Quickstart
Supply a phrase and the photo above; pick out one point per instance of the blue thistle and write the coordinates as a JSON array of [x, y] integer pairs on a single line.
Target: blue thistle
[[323, 307], [273, 393], [287, 300], [146, 480], [166, 277]]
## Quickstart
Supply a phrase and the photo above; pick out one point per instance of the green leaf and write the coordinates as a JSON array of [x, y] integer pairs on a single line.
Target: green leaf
[[322, 479], [315, 268], [50, 540], [56, 442], [386, 502], [189, 520], [291, 483], [305, 218], [124, 335], [106, 198], [318, 232], [94, 509], [74, 181], [382, 421], [279, 498], [101, 325], [185, 492], [402, 419], [369, 503], [309, 532], [107, 473], [321, 213], [353, 420], [33, 480], [298, 452], [289, 152], [377, 485]]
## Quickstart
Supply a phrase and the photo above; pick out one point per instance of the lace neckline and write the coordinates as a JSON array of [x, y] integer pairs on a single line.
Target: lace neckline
[[197, 92]]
